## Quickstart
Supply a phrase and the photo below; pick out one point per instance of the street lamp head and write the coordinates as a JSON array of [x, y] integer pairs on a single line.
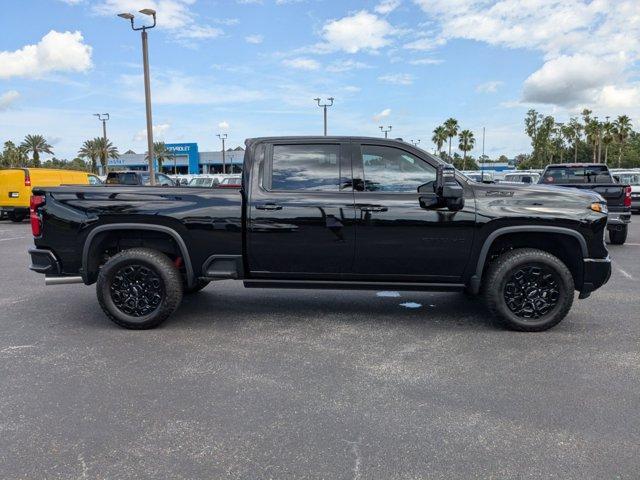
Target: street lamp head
[[148, 11], [126, 16]]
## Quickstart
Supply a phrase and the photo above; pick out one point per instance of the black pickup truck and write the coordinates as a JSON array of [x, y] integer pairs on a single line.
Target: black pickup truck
[[333, 213], [598, 178]]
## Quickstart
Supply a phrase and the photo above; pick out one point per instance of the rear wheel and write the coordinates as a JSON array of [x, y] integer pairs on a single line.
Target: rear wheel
[[16, 216], [528, 290], [139, 288], [618, 237]]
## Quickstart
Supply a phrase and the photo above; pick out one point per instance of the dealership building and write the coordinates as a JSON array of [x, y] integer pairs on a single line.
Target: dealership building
[[186, 159]]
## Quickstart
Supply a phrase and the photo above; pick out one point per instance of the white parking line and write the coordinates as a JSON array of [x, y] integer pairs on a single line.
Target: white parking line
[[626, 274], [12, 238]]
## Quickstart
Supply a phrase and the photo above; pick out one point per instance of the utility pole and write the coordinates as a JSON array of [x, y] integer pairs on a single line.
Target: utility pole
[[482, 163], [324, 106], [386, 131], [223, 137], [147, 84], [103, 118], [415, 143]]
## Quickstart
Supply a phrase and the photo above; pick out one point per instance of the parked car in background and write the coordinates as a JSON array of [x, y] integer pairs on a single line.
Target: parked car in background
[[233, 181], [479, 176], [596, 177], [135, 177], [94, 179], [207, 182], [521, 177], [632, 178], [327, 212], [16, 185]]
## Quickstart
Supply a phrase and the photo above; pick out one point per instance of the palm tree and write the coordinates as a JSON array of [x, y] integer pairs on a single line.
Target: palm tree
[[439, 137], [592, 130], [607, 138], [161, 153], [91, 151], [451, 126], [106, 150], [621, 131], [467, 142], [36, 144], [574, 130]]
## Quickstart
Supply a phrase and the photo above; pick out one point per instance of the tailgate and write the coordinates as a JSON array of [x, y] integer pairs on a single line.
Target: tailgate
[[13, 192]]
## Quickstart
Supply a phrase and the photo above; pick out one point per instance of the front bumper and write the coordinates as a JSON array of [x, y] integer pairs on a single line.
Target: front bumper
[[597, 272]]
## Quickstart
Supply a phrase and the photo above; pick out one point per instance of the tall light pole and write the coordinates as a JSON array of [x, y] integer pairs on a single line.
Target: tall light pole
[[223, 137], [103, 118], [415, 143], [386, 130], [324, 106], [482, 164], [147, 83]]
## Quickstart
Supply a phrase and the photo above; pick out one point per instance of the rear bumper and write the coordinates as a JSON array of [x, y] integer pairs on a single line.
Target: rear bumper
[[618, 219], [44, 261], [597, 272]]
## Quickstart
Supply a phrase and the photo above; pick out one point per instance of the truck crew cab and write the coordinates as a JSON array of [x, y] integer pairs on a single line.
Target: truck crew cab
[[327, 212]]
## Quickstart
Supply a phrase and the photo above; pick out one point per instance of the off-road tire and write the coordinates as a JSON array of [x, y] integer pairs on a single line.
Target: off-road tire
[[503, 270], [618, 237], [16, 216], [168, 278], [196, 287]]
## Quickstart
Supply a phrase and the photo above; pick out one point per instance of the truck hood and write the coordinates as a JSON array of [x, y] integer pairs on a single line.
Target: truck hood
[[543, 199]]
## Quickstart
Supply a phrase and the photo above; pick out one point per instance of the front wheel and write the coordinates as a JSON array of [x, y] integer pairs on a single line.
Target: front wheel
[[139, 288], [528, 290], [618, 237]]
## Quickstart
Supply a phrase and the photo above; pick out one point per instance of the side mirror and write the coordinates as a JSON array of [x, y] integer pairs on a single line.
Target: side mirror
[[448, 188]]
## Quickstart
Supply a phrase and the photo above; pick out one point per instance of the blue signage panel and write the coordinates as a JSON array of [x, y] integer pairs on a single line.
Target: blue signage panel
[[188, 149]]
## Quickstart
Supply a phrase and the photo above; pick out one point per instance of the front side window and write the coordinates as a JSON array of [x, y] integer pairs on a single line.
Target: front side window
[[389, 169], [306, 167]]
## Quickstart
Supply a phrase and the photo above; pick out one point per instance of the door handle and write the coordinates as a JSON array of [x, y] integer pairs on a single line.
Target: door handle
[[373, 208], [268, 206]]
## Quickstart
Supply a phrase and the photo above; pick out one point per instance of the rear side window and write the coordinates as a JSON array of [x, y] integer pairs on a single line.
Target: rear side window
[[592, 174], [306, 167]]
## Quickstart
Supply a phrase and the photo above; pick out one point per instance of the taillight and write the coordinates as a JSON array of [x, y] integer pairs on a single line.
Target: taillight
[[627, 197], [27, 179], [36, 224]]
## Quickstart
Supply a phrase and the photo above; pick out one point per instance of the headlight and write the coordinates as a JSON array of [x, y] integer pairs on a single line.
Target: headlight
[[599, 207]]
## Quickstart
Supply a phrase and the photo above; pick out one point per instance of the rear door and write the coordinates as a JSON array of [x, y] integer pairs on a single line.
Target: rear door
[[301, 212]]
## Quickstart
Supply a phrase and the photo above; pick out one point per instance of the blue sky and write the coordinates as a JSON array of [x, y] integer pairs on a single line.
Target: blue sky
[[252, 68]]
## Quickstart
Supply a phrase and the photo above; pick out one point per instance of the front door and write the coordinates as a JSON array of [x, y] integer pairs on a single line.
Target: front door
[[397, 239], [301, 211]]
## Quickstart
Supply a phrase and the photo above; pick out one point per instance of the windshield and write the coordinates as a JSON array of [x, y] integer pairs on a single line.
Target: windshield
[[568, 174], [629, 178]]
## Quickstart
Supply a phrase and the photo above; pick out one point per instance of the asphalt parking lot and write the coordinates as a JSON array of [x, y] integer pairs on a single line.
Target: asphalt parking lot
[[315, 384]]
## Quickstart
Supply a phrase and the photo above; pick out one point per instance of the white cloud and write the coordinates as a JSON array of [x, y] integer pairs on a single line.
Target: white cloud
[[224, 125], [346, 65], [159, 132], [426, 61], [7, 99], [578, 38], [254, 39], [387, 6], [397, 78], [489, 87], [173, 15], [382, 115], [175, 88], [360, 31], [302, 63], [55, 52]]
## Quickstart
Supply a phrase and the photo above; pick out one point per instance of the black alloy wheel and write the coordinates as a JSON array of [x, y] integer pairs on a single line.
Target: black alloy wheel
[[532, 291], [136, 290]]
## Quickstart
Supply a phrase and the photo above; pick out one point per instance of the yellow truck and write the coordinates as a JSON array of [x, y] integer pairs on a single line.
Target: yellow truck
[[16, 185]]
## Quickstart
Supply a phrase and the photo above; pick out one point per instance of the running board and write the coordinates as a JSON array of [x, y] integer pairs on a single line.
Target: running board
[[354, 285], [62, 280]]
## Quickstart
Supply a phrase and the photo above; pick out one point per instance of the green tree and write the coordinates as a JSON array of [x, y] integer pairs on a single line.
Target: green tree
[[161, 154], [90, 151], [106, 150], [573, 130], [452, 128], [607, 138], [13, 156], [467, 142], [37, 145], [621, 131], [439, 137]]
